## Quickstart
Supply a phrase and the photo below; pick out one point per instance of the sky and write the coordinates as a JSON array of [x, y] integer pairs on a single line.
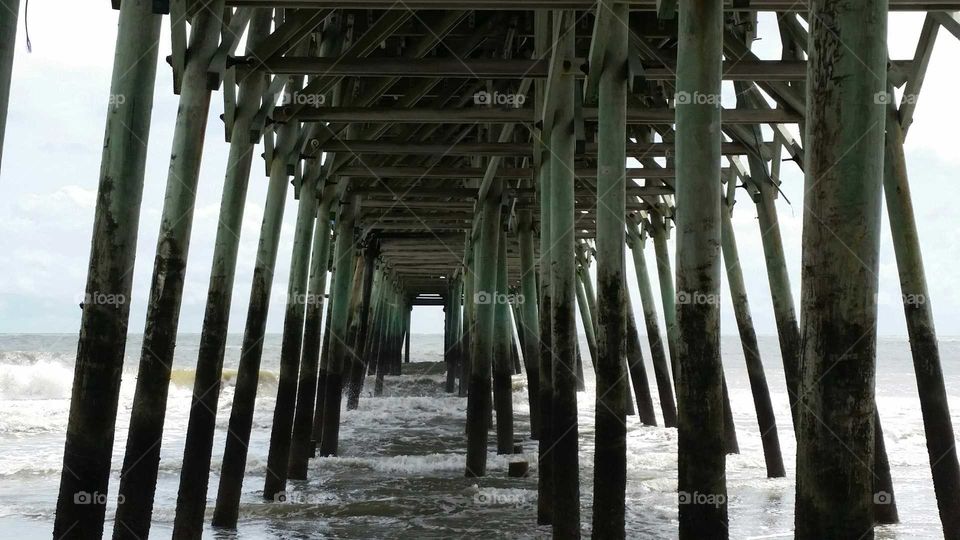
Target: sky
[[54, 137]]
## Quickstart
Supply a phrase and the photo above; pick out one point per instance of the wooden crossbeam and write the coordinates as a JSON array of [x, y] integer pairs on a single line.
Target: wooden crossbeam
[[582, 5], [950, 21], [748, 69], [479, 115], [479, 172]]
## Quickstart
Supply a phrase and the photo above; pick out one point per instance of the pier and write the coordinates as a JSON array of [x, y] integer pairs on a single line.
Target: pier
[[504, 161]]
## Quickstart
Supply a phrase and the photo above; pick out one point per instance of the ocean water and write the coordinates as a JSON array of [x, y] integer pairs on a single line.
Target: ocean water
[[400, 472]]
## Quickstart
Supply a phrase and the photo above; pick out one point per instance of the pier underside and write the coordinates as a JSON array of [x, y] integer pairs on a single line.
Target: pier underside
[[503, 160]]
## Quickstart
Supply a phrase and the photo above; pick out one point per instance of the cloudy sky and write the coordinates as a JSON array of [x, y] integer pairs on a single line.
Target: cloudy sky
[[51, 161]]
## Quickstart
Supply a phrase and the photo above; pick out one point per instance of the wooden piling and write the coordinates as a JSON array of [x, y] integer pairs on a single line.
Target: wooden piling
[[658, 355], [408, 337], [841, 239], [347, 275], [360, 324], [278, 455], [198, 447], [468, 324], [668, 298], [543, 44], [103, 327], [300, 444], [788, 328], [502, 359], [317, 432], [586, 316], [141, 461], [934, 406], [566, 456], [481, 342], [529, 316], [457, 344], [8, 39], [767, 422], [635, 367], [382, 339], [545, 483], [251, 349], [700, 439], [449, 339], [612, 392]]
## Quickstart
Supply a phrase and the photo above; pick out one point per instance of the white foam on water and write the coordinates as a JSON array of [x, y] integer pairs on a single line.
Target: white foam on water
[[42, 379]]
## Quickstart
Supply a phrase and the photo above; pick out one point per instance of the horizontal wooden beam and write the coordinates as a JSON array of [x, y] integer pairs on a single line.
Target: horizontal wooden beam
[[514, 68], [583, 5], [480, 115], [478, 172], [507, 149]]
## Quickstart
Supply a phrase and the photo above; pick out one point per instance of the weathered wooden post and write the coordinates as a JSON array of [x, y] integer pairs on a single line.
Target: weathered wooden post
[[301, 446], [530, 315], [934, 406], [613, 394], [251, 349], [466, 338], [457, 345], [141, 461], [340, 297], [360, 323], [545, 485], [583, 274], [841, 240], [383, 341], [195, 471], [566, 458], [378, 353], [8, 39], [671, 298], [481, 338], [278, 455], [702, 464], [449, 337], [406, 346], [668, 298], [586, 316], [502, 365], [788, 329], [103, 328], [635, 367], [766, 420], [317, 432], [661, 369]]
